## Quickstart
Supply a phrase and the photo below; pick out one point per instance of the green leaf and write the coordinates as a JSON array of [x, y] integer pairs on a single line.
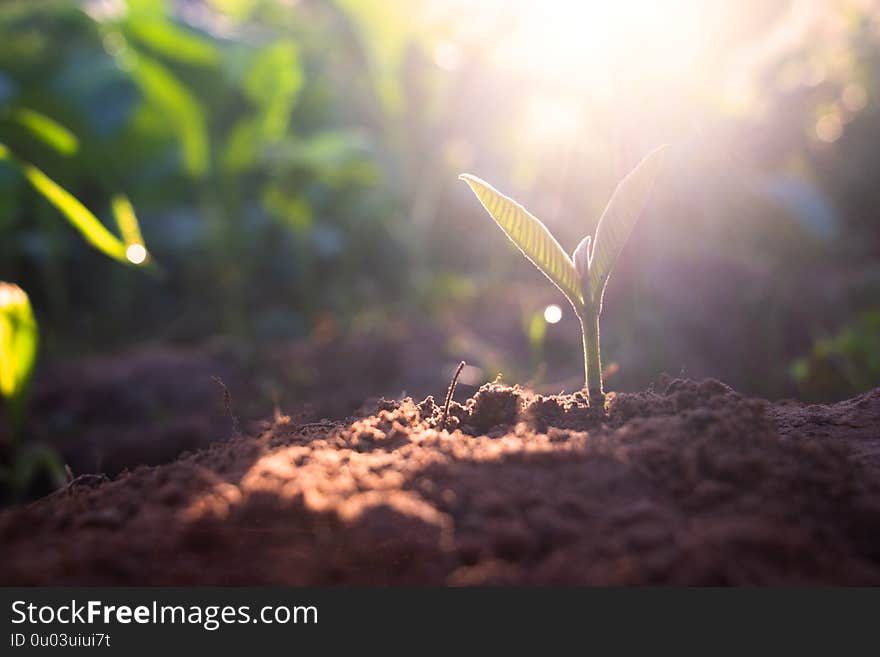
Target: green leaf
[[18, 342], [76, 213], [81, 218], [126, 220], [617, 221], [179, 108], [272, 82], [532, 237], [169, 40], [47, 130]]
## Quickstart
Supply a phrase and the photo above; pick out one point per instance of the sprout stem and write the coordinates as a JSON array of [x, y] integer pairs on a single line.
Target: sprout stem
[[592, 360], [450, 392]]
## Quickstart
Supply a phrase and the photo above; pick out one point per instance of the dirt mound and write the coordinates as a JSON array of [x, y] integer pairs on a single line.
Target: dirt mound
[[148, 404], [691, 484]]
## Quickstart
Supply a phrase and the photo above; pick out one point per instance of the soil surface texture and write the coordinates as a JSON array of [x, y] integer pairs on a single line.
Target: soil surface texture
[[690, 484]]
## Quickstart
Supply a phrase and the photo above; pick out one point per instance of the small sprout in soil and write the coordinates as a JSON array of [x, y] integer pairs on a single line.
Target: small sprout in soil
[[583, 276], [450, 392]]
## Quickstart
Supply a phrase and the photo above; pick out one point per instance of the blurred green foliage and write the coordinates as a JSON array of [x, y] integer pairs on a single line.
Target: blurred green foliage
[[232, 139], [18, 351], [844, 364], [292, 162]]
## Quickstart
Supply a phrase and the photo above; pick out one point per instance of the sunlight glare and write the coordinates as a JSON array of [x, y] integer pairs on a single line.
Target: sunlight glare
[[595, 44], [573, 62], [550, 120]]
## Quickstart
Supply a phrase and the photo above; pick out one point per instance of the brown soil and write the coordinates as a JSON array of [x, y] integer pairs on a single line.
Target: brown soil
[[146, 405], [693, 484]]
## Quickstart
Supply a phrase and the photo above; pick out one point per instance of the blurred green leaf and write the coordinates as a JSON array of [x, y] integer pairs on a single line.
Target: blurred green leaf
[[47, 130], [337, 157], [531, 237], [844, 364], [76, 213], [292, 209], [165, 38], [242, 146], [179, 107], [537, 330], [272, 83], [126, 220], [19, 339]]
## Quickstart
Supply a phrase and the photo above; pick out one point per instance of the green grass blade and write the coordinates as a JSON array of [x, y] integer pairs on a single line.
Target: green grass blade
[[47, 130], [82, 219], [18, 344], [75, 212], [617, 221], [126, 220], [531, 236], [130, 230]]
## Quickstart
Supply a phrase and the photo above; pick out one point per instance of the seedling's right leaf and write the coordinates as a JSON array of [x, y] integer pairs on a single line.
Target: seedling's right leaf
[[531, 236], [18, 342], [617, 221]]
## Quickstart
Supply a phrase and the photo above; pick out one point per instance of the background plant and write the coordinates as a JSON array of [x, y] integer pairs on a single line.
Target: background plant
[[18, 351], [289, 160], [21, 461]]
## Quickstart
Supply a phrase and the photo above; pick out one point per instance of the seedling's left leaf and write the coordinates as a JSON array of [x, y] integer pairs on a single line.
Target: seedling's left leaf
[[531, 236], [617, 221], [18, 348]]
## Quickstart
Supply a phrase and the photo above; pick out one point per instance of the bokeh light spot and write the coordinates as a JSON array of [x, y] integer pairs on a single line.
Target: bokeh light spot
[[855, 98], [136, 253], [829, 127], [552, 313]]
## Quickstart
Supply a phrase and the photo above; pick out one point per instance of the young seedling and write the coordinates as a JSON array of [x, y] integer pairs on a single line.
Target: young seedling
[[583, 276]]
